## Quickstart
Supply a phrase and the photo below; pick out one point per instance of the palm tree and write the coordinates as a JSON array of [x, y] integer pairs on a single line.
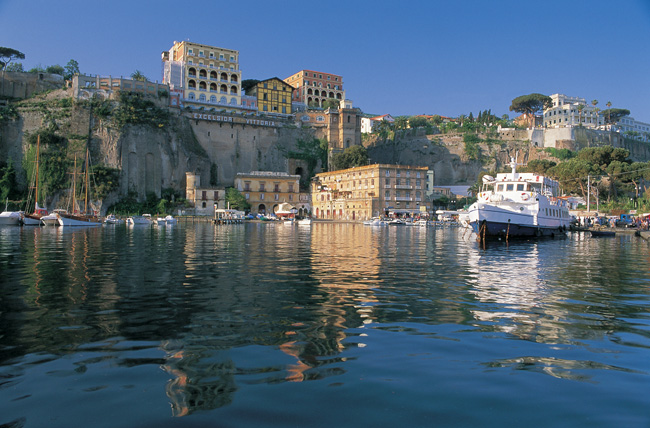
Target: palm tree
[[137, 75], [609, 113], [596, 110], [594, 102], [580, 108]]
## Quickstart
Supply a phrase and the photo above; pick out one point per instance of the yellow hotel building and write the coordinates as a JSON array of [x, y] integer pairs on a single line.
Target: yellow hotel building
[[369, 191], [208, 76], [273, 96], [266, 190]]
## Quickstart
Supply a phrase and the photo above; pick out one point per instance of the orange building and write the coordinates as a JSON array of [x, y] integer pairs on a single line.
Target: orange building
[[314, 87]]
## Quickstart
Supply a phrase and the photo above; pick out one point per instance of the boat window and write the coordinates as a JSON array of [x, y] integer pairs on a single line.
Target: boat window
[[510, 187], [500, 188], [520, 187]]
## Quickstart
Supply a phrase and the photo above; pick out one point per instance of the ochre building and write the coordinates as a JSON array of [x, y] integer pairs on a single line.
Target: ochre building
[[369, 191], [266, 190], [273, 96]]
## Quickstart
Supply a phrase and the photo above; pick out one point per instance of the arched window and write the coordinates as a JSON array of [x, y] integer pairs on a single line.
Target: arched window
[[213, 99], [213, 87], [224, 77], [191, 84], [223, 100], [233, 101], [223, 89], [202, 86], [203, 74], [213, 75], [191, 72], [233, 78], [190, 96], [202, 97], [233, 90]]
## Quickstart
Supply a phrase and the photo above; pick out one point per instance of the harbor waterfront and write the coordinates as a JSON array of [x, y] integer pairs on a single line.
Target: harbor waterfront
[[325, 325]]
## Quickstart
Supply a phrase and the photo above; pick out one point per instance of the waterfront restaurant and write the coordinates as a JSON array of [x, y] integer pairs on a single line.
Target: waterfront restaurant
[[369, 191]]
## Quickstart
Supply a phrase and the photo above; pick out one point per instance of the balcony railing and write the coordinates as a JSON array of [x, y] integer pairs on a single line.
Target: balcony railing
[[404, 186], [403, 198]]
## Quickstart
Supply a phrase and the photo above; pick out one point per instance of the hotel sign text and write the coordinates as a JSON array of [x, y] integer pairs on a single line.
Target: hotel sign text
[[238, 120]]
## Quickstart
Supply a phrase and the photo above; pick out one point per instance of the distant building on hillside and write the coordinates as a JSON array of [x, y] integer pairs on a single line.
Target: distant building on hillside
[[632, 128], [273, 96], [204, 76], [566, 112], [340, 127], [312, 88], [368, 124]]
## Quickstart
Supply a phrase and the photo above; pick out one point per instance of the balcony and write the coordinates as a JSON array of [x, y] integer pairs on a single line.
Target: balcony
[[404, 186], [404, 199]]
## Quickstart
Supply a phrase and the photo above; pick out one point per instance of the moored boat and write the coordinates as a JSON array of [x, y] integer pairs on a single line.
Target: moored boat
[[519, 205], [138, 220], [34, 219], [602, 233], [304, 222], [170, 220], [10, 218], [111, 219]]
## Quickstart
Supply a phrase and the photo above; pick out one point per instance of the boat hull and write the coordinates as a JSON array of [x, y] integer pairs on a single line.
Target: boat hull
[[78, 221], [10, 218], [490, 221], [31, 220]]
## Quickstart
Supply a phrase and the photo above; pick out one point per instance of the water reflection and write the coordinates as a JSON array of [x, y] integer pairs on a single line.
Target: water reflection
[[222, 310]]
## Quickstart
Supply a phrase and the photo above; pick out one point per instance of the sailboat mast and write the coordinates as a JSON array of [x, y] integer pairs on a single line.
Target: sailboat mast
[[74, 185], [86, 184], [38, 152]]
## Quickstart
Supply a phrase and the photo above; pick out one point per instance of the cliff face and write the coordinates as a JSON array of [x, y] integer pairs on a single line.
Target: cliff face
[[149, 159], [446, 156], [152, 158]]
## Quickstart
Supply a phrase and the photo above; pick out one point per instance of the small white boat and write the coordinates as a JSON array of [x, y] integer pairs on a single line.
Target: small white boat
[[52, 219], [396, 222], [10, 218], [170, 220], [160, 222], [111, 219], [304, 222], [138, 220], [422, 223]]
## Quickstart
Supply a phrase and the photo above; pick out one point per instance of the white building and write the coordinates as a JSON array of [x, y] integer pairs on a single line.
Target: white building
[[368, 124], [639, 130], [565, 113]]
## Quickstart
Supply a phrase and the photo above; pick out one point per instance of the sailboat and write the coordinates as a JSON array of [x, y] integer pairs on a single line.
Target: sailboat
[[34, 219], [81, 219]]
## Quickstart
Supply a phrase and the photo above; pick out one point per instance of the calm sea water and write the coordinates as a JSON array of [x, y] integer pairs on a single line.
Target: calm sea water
[[333, 325]]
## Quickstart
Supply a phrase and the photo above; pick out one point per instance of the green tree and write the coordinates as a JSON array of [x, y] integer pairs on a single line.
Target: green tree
[[332, 103], [417, 122], [401, 122], [572, 175], [436, 119], [247, 84], [530, 105], [71, 68], [137, 75], [16, 67], [236, 200], [311, 151], [472, 148], [615, 114], [55, 69], [7, 181], [609, 106], [351, 157], [6, 56], [539, 166], [214, 177]]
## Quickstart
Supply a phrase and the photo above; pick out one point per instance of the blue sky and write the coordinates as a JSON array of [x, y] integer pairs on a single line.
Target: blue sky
[[403, 58]]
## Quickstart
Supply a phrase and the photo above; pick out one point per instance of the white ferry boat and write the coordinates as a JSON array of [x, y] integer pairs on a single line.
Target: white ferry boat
[[519, 205]]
